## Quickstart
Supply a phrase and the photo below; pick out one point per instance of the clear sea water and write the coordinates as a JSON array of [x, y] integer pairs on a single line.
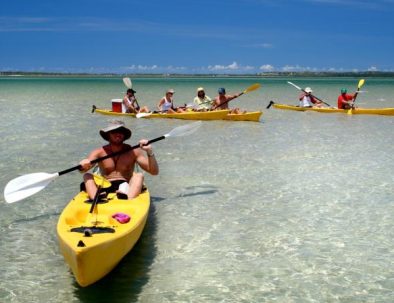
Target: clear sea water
[[295, 208]]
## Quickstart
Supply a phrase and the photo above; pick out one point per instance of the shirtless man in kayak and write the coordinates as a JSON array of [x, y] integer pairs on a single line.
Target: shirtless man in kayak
[[222, 100], [119, 169]]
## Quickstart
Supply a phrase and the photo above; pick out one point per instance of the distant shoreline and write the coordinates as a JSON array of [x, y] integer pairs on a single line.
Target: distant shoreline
[[259, 75]]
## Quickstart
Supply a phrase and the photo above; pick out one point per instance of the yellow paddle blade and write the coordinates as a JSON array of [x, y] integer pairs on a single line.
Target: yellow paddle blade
[[252, 88], [360, 83], [101, 181]]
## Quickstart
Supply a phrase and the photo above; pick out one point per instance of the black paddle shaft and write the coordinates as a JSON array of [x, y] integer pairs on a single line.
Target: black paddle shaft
[[110, 156], [96, 199]]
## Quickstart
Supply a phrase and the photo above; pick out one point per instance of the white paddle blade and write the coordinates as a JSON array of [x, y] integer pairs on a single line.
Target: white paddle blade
[[142, 115], [26, 186], [297, 87], [127, 82], [184, 130]]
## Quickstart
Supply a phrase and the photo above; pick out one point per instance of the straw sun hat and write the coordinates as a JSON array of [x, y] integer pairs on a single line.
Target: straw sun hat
[[115, 124]]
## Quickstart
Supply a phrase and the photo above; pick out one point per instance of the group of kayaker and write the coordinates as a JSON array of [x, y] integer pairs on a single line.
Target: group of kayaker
[[166, 104], [118, 170], [202, 102], [345, 100]]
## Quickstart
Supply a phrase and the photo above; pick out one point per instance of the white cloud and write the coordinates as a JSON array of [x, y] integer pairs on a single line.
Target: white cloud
[[372, 69], [175, 68], [141, 67], [248, 67], [298, 68], [153, 68], [231, 67], [291, 68], [267, 67]]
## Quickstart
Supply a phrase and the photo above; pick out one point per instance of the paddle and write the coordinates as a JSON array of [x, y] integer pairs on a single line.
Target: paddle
[[127, 82], [301, 89], [360, 84], [142, 115], [249, 89], [101, 182], [27, 185]]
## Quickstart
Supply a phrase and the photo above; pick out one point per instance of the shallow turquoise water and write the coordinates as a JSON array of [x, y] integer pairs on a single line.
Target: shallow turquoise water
[[295, 208]]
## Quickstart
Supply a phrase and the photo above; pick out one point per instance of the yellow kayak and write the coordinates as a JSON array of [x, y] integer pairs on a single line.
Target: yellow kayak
[[190, 115], [93, 244], [248, 116], [355, 111], [209, 115]]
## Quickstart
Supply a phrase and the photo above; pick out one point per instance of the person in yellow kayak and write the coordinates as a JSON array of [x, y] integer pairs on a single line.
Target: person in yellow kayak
[[202, 101], [222, 100], [131, 104], [308, 100], [345, 100], [119, 169], [166, 104]]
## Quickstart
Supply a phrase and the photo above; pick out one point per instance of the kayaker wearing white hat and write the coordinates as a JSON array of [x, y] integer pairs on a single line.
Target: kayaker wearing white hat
[[307, 99], [166, 104], [202, 101], [119, 169]]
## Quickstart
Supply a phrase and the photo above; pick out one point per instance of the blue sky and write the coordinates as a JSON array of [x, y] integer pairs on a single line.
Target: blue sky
[[204, 36]]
